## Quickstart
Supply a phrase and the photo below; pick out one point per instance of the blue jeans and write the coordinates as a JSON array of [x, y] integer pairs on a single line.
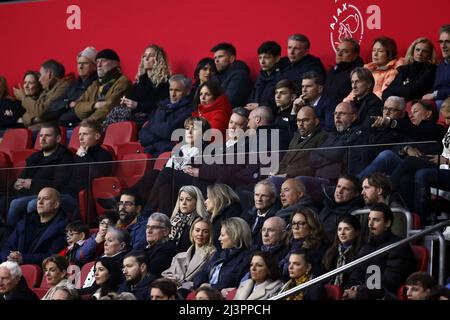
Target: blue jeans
[[17, 209], [385, 162], [423, 180]]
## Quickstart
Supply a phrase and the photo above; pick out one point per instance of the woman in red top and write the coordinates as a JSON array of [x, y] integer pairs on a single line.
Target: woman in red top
[[212, 105]]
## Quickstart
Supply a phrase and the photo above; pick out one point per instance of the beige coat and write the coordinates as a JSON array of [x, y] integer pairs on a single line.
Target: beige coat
[[36, 108], [185, 265], [84, 107], [63, 283], [262, 291]]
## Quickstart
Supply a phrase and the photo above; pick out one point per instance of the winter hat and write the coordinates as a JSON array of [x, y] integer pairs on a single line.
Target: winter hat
[[90, 53], [108, 54]]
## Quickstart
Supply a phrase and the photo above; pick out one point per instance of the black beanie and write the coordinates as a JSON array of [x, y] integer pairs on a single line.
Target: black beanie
[[108, 54]]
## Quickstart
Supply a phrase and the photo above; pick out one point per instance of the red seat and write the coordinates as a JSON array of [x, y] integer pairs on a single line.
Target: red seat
[[87, 209], [37, 143], [15, 139], [32, 274], [120, 132], [422, 257], [333, 292], [416, 221], [40, 292], [105, 187], [84, 272], [18, 159], [401, 293], [133, 167], [161, 161], [74, 142], [231, 294], [128, 148], [191, 295]]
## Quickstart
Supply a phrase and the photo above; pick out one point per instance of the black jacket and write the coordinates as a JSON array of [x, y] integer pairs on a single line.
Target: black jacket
[[369, 106], [20, 292], [338, 83], [295, 71]]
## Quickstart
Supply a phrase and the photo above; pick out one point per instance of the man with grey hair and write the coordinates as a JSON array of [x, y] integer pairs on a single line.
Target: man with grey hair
[[266, 205], [160, 250], [12, 284], [170, 115], [301, 61]]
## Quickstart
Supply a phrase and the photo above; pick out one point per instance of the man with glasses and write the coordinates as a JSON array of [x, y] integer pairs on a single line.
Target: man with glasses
[[441, 88], [160, 250]]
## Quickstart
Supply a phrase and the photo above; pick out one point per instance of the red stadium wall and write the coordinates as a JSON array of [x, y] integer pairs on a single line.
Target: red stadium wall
[[35, 31]]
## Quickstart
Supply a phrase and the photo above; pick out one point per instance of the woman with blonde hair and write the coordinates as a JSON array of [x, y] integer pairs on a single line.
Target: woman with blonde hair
[[189, 206], [221, 203], [151, 86], [416, 77], [185, 265]]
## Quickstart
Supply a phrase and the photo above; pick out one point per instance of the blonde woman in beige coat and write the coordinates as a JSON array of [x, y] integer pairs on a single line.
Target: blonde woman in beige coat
[[186, 264]]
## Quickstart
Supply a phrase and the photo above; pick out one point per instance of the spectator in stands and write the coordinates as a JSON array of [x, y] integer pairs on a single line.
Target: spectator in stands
[[292, 195], [61, 107], [204, 71], [269, 54], [231, 260], [163, 289], [12, 283], [415, 77], [54, 84], [169, 115], [233, 75], [367, 103], [345, 247], [104, 93], [108, 277], [185, 265], [211, 104], [55, 273], [394, 266], [265, 278], [312, 85], [137, 275], [76, 235], [346, 198], [285, 94], [307, 233], [31, 85], [419, 285], [43, 169], [338, 84], [441, 87], [383, 66], [266, 205], [301, 270], [189, 206], [151, 87], [160, 249], [301, 61], [65, 293], [308, 136], [39, 234], [221, 203], [206, 292], [10, 110], [273, 234]]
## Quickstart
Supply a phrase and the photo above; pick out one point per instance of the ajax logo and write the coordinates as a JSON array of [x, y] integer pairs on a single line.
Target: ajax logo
[[348, 23]]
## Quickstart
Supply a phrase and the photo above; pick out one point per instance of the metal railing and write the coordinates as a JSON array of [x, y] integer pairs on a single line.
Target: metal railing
[[359, 261]]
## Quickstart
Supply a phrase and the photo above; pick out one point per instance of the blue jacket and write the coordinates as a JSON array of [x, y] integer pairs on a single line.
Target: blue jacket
[[236, 83], [51, 241], [155, 136], [137, 233], [442, 81]]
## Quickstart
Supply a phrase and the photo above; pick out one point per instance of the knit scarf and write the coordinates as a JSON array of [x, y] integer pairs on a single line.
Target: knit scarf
[[178, 224], [296, 282], [341, 260], [106, 83]]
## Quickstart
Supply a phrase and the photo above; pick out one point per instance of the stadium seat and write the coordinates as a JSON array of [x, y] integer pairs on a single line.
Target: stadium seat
[[32, 274], [333, 292], [105, 188], [161, 161], [120, 132], [124, 149], [401, 292], [37, 143], [132, 167], [84, 272], [74, 142], [422, 257], [18, 159], [416, 224], [40, 292], [231, 294], [191, 295], [15, 139], [87, 209]]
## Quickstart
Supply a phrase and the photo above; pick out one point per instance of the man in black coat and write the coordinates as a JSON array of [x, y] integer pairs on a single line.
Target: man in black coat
[[12, 284], [137, 276], [395, 266]]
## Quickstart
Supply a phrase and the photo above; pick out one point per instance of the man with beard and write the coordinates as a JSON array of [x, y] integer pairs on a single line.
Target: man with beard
[[106, 91], [40, 171], [136, 274], [395, 266]]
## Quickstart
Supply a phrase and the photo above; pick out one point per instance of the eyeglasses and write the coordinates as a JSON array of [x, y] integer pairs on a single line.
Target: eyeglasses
[[391, 109], [339, 114], [71, 233], [154, 227], [125, 203], [444, 42], [104, 223], [298, 224]]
